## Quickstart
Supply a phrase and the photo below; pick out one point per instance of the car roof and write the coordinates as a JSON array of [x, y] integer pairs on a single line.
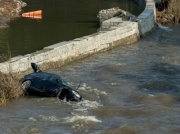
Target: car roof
[[43, 75], [46, 76]]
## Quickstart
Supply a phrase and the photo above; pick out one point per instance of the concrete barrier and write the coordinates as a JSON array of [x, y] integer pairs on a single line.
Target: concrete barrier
[[121, 33], [146, 20]]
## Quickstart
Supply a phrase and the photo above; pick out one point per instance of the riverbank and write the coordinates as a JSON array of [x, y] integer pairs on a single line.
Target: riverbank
[[8, 10], [10, 88], [168, 11]]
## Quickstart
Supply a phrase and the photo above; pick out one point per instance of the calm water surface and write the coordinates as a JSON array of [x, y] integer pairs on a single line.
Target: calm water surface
[[62, 20], [132, 89]]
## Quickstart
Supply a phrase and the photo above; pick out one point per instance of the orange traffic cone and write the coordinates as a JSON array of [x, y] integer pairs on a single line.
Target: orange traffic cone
[[33, 14]]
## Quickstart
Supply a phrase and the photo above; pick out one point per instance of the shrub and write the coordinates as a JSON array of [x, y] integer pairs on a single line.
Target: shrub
[[10, 88]]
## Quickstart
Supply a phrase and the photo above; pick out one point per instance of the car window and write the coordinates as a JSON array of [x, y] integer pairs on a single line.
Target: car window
[[57, 79], [61, 81], [64, 82]]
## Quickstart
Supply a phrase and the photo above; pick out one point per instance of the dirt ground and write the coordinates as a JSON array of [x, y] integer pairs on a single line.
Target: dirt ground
[[10, 9]]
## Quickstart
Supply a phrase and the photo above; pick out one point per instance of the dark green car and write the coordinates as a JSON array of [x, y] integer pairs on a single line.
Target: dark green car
[[48, 85]]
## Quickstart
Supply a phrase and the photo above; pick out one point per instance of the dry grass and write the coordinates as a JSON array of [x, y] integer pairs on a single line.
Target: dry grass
[[10, 88], [174, 9]]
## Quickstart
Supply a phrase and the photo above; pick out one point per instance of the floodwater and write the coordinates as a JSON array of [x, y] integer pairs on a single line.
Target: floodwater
[[133, 89], [62, 20]]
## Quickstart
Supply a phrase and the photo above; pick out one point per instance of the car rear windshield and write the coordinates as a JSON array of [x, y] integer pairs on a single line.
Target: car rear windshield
[[57, 79]]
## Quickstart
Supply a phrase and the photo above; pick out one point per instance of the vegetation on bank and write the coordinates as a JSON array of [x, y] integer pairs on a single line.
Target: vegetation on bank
[[168, 11], [10, 88], [174, 9]]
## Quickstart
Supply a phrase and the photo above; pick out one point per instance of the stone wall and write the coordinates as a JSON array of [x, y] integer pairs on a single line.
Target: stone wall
[[122, 33]]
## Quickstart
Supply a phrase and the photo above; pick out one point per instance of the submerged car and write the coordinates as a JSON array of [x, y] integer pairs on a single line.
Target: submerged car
[[48, 85]]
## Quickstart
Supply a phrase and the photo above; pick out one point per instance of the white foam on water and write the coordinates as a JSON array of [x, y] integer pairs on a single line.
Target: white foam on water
[[86, 105], [121, 64], [49, 118], [32, 119], [84, 87], [98, 91], [84, 119], [114, 84], [164, 27]]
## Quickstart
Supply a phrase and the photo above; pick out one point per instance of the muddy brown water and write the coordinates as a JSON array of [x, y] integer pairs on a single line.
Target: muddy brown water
[[132, 89]]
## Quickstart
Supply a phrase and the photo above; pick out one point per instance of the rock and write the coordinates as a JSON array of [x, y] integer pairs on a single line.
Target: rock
[[9, 9]]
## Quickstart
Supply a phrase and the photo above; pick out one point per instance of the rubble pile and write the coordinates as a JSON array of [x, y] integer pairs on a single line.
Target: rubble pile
[[106, 14]]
